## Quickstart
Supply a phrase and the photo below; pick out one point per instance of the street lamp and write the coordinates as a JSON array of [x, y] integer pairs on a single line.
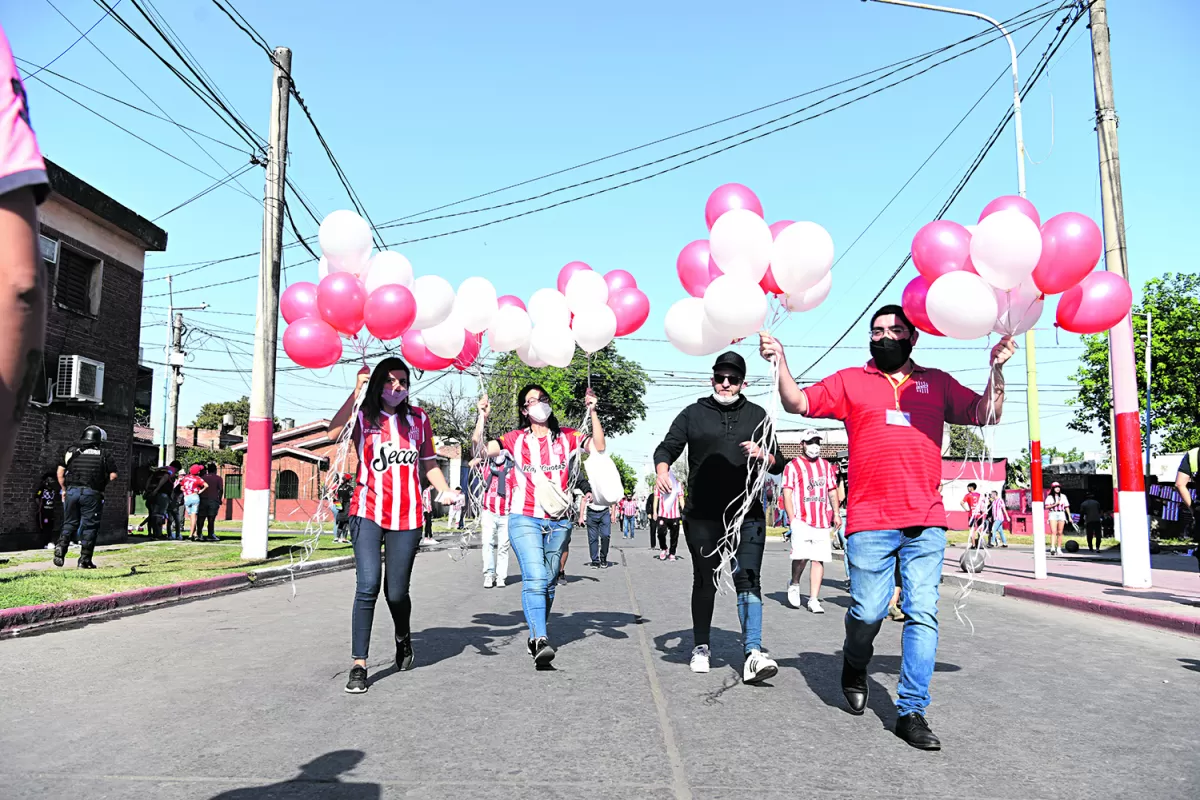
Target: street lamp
[[1035, 434]]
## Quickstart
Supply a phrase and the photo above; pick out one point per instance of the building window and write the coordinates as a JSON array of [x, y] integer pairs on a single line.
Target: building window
[[77, 284], [233, 487], [288, 487]]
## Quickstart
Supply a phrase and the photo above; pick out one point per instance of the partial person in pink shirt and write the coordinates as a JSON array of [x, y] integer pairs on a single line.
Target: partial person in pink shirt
[[23, 185]]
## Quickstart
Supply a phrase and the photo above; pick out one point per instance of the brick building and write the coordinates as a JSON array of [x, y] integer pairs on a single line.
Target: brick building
[[94, 251]]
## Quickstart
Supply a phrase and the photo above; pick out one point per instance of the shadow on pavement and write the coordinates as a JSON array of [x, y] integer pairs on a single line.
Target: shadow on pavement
[[837, 599], [725, 647], [318, 778], [1168, 597], [1190, 663]]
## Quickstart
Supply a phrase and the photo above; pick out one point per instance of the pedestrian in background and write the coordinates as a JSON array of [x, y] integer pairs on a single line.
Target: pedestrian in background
[[190, 486], [999, 515], [45, 502], [211, 497], [86, 469], [1089, 509], [666, 520], [811, 499], [345, 490]]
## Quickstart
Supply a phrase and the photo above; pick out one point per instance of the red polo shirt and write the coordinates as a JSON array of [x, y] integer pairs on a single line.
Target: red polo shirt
[[895, 469]]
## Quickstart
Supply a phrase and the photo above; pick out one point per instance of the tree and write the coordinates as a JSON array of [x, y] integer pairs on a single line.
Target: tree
[[452, 415], [966, 443], [628, 474], [1018, 469], [619, 382], [1174, 302], [202, 455]]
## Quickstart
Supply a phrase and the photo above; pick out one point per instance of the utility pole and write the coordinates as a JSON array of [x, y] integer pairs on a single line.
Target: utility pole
[[1126, 430], [173, 377], [261, 434], [1149, 336]]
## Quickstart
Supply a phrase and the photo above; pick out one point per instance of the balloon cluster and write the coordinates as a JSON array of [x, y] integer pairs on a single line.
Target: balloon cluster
[[730, 275], [439, 327], [994, 276]]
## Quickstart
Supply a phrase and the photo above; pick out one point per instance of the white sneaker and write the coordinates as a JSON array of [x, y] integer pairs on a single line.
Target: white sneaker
[[700, 658], [794, 595], [758, 667], [814, 605], [489, 580]]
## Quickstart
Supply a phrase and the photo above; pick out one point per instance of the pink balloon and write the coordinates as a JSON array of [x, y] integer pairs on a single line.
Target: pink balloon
[[341, 298], [412, 347], [632, 307], [768, 282], [692, 265], [299, 301], [1095, 304], [1015, 202], [728, 197], [913, 303], [942, 246], [1071, 247], [619, 279], [470, 351], [390, 311], [511, 300], [564, 274], [312, 343]]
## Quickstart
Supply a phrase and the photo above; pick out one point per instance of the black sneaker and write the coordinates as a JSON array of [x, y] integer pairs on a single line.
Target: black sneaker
[[531, 646], [404, 654], [60, 555], [358, 680], [913, 729], [86, 565], [543, 653]]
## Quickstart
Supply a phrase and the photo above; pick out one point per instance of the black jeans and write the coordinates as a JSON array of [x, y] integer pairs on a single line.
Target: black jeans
[[665, 527], [1094, 530], [599, 528], [82, 510], [399, 552], [702, 536]]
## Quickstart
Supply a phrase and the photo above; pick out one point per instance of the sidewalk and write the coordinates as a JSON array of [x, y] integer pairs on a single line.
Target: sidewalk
[[1092, 582]]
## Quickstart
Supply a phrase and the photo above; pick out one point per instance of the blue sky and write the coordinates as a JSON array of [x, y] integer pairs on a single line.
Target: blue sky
[[427, 104]]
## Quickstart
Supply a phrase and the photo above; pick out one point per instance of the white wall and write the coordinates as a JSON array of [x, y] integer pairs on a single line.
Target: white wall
[[71, 220]]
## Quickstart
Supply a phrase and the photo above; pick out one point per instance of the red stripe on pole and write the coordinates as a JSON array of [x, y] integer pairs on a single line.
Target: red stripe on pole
[[258, 454], [1129, 452], [1035, 470]]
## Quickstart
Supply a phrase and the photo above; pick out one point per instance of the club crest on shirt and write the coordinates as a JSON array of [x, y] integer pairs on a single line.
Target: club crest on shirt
[[922, 387], [388, 456]]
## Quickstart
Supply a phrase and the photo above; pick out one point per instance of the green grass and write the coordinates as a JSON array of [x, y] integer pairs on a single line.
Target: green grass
[[135, 566]]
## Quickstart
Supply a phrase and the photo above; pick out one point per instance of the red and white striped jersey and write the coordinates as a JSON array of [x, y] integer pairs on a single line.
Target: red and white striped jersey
[[553, 458], [492, 501], [391, 458], [810, 483], [668, 504]]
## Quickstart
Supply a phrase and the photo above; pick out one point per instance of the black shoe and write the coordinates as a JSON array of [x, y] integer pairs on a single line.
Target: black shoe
[[60, 555], [404, 654], [358, 680], [86, 564], [605, 564], [854, 687], [543, 653], [913, 729], [531, 646], [594, 564]]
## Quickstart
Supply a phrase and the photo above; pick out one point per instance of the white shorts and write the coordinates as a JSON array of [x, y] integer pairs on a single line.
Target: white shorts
[[811, 544], [1058, 516]]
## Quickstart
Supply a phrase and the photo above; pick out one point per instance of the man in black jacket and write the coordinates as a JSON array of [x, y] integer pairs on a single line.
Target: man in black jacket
[[83, 473], [719, 433]]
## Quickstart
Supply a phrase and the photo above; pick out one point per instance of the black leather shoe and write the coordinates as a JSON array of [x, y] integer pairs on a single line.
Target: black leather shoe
[[404, 654], [854, 687], [913, 729]]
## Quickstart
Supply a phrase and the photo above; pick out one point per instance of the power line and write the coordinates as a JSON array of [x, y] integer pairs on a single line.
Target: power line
[[77, 41]]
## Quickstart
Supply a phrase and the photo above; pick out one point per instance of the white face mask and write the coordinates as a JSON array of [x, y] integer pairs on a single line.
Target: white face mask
[[725, 400], [812, 450], [498, 459], [540, 412]]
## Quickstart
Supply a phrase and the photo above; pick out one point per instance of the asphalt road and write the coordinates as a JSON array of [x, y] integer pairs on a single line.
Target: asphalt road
[[240, 696]]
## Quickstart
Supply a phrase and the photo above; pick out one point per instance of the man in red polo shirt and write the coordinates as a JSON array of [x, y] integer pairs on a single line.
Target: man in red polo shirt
[[894, 411]]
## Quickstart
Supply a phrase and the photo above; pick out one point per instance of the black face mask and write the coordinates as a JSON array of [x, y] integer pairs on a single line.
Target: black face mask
[[891, 354]]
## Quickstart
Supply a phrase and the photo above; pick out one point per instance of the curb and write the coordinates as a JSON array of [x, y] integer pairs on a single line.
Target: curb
[[31, 619]]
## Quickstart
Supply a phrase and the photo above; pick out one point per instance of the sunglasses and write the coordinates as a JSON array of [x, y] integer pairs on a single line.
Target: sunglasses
[[732, 380]]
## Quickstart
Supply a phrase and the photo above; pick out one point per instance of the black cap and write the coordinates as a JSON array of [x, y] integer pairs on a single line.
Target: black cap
[[733, 361]]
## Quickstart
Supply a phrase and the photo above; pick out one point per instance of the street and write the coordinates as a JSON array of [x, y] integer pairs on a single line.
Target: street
[[240, 696]]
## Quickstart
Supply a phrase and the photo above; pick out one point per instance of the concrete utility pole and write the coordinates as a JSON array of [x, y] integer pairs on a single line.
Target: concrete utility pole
[[1126, 430], [174, 379], [261, 435]]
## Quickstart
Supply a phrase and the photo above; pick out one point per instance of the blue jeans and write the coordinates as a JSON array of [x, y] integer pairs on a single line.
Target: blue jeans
[[627, 527], [538, 545], [599, 528], [997, 531], [399, 551], [872, 558]]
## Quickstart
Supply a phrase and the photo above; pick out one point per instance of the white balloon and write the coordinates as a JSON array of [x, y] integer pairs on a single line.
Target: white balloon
[[810, 298], [554, 344], [961, 305], [586, 288], [1020, 308], [549, 306], [435, 300], [387, 269], [735, 307], [345, 239], [594, 326], [801, 256], [740, 243], [690, 331], [322, 269], [1005, 247], [446, 339], [529, 357], [971, 229], [475, 305], [509, 330]]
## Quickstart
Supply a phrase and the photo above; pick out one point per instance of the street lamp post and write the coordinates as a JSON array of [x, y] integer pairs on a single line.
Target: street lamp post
[[1035, 434]]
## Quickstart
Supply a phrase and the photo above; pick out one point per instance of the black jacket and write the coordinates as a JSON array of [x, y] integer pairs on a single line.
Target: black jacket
[[717, 466]]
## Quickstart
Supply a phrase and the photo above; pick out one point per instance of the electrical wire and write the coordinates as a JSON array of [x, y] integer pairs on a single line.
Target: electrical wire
[[232, 175], [72, 45]]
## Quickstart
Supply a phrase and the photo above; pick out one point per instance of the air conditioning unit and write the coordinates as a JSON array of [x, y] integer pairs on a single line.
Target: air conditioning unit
[[80, 379]]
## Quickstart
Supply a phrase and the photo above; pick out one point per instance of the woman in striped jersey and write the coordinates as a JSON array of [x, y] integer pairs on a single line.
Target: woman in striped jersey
[[394, 443], [542, 451]]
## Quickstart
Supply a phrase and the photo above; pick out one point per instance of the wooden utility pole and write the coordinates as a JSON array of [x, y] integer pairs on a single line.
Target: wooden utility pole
[[174, 379]]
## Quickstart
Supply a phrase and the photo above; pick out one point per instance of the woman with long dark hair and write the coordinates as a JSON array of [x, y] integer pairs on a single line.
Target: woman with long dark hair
[[1059, 508], [539, 517], [394, 443]]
